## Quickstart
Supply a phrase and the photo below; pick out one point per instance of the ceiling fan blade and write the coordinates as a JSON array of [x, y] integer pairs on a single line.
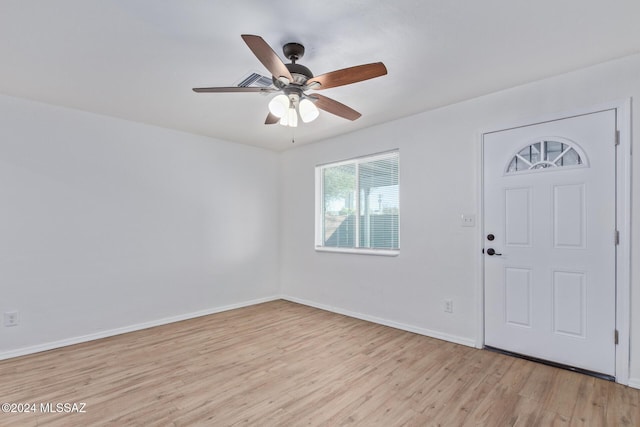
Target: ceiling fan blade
[[267, 56], [334, 107], [271, 119], [234, 89], [347, 76]]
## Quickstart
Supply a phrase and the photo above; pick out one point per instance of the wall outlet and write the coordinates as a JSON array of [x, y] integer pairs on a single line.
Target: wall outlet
[[11, 318], [448, 306]]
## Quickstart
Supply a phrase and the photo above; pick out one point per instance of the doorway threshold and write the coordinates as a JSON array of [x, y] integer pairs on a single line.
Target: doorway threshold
[[553, 364]]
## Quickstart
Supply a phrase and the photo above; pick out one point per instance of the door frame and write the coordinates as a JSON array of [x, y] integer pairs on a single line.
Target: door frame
[[623, 222]]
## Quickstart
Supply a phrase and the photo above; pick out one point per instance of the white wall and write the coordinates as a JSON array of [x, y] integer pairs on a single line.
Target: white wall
[[107, 224], [439, 163]]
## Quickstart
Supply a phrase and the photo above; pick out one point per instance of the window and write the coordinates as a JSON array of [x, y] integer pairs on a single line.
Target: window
[[543, 155], [358, 205]]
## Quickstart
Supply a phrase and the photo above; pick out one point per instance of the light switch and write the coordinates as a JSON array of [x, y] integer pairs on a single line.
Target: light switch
[[468, 220]]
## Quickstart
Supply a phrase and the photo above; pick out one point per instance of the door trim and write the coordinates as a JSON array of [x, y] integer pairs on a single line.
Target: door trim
[[623, 223]]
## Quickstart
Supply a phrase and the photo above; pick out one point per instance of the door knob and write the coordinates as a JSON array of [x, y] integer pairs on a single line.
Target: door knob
[[492, 252]]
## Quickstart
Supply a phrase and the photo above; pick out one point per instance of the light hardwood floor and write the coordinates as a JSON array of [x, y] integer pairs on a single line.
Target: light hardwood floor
[[284, 364]]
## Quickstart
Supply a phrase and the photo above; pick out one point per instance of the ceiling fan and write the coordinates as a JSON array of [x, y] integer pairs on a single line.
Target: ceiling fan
[[294, 79]]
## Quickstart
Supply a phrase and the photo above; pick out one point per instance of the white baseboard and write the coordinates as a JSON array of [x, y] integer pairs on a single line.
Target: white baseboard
[[409, 328], [634, 382], [111, 332]]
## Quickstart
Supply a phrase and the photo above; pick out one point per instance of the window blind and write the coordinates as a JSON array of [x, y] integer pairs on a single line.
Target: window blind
[[360, 203]]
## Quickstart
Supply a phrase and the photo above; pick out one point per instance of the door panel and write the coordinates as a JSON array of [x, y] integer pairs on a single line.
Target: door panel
[[549, 200], [517, 230], [517, 290], [569, 214], [569, 303]]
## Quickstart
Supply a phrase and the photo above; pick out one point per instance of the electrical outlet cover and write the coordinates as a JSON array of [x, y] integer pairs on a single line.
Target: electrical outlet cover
[[448, 306], [11, 318]]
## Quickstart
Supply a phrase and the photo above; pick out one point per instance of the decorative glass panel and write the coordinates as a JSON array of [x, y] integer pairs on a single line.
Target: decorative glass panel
[[531, 153], [545, 155], [571, 158]]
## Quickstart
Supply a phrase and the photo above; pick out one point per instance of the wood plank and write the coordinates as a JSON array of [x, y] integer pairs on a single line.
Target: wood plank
[[281, 363]]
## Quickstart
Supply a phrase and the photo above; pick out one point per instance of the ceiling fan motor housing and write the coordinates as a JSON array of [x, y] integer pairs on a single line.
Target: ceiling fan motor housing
[[300, 75]]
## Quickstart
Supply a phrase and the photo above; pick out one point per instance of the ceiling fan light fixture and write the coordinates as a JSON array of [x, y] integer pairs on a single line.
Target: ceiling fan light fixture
[[290, 118], [308, 111], [279, 105]]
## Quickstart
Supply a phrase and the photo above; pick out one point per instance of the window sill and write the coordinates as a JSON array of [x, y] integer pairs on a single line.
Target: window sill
[[359, 251]]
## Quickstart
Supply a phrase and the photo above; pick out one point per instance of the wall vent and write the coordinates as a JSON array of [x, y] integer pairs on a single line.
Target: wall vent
[[256, 80]]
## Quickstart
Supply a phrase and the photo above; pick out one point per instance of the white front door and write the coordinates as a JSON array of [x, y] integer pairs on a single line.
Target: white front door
[[549, 239]]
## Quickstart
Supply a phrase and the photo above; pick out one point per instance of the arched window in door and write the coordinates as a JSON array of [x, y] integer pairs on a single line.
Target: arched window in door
[[546, 154]]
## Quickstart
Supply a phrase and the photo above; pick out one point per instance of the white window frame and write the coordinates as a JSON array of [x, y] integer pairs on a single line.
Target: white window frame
[[319, 207]]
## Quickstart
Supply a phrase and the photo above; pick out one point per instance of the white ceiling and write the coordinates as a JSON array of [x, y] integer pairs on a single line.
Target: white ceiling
[[139, 59]]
